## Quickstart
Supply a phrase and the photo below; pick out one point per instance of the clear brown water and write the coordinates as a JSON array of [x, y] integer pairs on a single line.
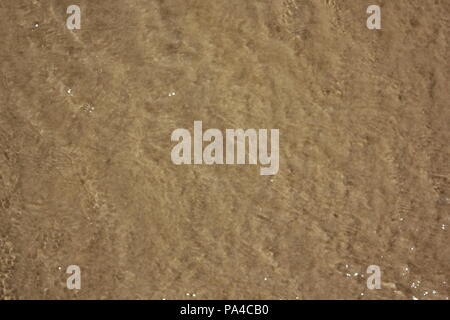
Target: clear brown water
[[86, 176]]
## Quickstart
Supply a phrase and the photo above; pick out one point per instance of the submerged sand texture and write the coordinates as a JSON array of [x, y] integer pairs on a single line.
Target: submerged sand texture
[[86, 176]]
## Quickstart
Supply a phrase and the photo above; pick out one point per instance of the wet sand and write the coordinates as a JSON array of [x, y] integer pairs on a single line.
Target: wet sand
[[85, 171]]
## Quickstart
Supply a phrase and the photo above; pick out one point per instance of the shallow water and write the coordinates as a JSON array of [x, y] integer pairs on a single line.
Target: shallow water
[[85, 170]]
